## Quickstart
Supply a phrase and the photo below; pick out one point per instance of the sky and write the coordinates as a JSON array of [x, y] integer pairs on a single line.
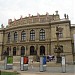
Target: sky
[[10, 9]]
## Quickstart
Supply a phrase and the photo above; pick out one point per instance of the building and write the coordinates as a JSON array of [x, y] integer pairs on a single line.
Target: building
[[36, 35]]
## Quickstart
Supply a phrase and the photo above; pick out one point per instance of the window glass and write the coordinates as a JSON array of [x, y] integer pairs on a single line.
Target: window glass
[[23, 36], [42, 34], [15, 36], [32, 35]]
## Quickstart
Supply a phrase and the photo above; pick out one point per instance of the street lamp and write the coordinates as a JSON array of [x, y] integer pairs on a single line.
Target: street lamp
[[58, 48]]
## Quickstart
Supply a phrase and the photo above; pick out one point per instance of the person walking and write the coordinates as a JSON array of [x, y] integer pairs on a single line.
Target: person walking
[[32, 64]]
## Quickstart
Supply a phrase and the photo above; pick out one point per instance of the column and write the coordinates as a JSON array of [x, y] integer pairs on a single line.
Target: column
[[37, 35], [18, 50], [6, 38], [27, 35], [19, 36], [28, 50], [46, 49], [49, 49], [11, 50], [12, 36], [38, 51], [37, 48]]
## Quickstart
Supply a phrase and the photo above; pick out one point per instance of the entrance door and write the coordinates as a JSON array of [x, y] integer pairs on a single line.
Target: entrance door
[[22, 50], [8, 50], [14, 51], [42, 50], [32, 50]]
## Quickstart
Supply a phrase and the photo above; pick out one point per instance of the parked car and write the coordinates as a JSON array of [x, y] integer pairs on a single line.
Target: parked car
[[50, 58]]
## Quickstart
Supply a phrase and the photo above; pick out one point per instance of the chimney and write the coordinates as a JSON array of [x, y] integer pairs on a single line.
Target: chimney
[[21, 17], [9, 21], [38, 14], [14, 19], [53, 16], [29, 15], [47, 15]]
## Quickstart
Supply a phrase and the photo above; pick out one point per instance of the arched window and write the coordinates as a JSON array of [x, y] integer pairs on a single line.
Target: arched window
[[14, 51], [15, 36], [23, 36], [9, 37], [42, 34], [22, 50], [32, 50], [32, 35], [42, 50]]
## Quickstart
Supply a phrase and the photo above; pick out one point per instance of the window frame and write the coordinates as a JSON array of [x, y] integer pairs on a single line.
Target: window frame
[[32, 35], [23, 36], [42, 34], [15, 36]]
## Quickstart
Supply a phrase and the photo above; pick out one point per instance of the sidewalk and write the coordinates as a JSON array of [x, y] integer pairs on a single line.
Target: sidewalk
[[52, 69], [38, 73], [47, 73]]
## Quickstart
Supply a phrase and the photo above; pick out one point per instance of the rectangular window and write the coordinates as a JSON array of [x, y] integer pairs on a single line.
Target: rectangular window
[[61, 35], [42, 20]]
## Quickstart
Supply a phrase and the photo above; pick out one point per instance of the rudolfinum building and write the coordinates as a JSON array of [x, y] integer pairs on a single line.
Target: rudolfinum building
[[36, 35]]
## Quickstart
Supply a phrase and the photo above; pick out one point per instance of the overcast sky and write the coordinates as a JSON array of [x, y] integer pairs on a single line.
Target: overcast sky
[[10, 9]]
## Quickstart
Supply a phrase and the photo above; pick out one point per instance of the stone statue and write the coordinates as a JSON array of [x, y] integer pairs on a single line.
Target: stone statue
[[2, 26], [65, 16]]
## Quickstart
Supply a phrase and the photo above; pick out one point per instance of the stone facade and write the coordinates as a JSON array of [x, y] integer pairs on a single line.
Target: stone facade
[[36, 35]]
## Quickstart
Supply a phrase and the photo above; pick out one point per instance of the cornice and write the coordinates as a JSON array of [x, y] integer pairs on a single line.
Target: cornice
[[39, 24]]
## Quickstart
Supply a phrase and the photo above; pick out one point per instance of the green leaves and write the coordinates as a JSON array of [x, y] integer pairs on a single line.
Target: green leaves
[[9, 59]]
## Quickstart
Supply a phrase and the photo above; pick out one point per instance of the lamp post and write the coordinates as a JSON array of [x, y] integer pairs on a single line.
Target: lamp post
[[58, 48]]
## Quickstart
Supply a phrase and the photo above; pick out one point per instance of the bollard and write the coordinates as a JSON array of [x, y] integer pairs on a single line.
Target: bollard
[[21, 64], [25, 66], [63, 64], [24, 63], [5, 63], [42, 63], [8, 62]]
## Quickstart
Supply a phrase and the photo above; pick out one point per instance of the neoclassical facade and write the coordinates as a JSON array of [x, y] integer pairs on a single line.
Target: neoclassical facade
[[36, 35]]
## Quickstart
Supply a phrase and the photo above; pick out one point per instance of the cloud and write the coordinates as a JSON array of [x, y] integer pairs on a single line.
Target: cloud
[[15, 8]]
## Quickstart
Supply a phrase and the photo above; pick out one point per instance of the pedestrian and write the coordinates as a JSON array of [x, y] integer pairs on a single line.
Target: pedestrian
[[32, 64]]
